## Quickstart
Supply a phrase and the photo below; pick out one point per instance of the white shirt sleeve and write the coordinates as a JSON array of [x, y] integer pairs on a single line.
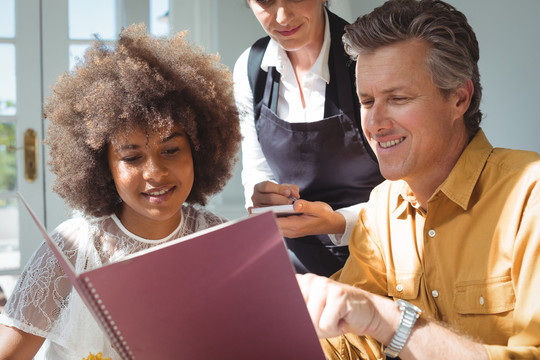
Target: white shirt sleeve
[[351, 217], [254, 166]]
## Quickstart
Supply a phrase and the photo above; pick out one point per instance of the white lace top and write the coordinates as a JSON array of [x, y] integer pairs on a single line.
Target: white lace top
[[44, 302]]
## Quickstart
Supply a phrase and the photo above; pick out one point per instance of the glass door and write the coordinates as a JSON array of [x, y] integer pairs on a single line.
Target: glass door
[[9, 257], [40, 40], [21, 165]]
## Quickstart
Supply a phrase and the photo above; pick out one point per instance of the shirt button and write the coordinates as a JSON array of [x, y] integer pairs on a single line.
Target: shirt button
[[435, 293], [481, 300], [431, 233], [399, 287]]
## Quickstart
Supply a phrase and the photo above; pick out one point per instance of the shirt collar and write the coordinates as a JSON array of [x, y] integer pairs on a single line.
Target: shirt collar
[[276, 56], [461, 181], [460, 184]]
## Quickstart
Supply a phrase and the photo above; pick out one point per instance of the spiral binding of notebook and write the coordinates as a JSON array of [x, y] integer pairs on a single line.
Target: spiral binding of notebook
[[106, 320]]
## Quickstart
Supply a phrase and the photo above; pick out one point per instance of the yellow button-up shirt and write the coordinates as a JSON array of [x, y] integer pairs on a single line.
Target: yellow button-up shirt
[[472, 260]]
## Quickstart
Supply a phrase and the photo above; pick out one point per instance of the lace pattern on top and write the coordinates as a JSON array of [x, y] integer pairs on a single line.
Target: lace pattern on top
[[44, 302]]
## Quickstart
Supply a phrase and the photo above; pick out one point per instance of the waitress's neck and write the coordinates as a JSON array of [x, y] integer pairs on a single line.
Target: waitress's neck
[[302, 60]]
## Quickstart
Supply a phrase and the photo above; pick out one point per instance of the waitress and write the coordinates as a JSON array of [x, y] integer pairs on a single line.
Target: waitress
[[300, 121]]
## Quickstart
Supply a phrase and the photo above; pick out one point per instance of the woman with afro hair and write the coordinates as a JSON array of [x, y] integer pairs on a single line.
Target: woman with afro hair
[[140, 133]]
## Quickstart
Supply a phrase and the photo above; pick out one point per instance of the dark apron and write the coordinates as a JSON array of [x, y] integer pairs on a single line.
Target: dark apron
[[327, 159]]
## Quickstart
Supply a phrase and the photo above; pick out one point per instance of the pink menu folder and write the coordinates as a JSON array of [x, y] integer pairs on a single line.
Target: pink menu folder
[[228, 292]]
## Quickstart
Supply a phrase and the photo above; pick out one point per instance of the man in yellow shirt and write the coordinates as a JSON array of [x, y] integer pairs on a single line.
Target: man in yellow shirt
[[455, 229]]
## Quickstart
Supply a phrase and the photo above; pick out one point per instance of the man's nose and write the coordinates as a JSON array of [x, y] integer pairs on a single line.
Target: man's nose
[[376, 118]]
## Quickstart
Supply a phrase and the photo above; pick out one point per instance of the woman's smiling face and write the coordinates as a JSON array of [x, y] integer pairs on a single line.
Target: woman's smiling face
[[153, 174], [294, 24]]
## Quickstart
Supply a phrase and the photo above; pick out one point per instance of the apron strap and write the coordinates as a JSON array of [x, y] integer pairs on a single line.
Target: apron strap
[[257, 77], [273, 85]]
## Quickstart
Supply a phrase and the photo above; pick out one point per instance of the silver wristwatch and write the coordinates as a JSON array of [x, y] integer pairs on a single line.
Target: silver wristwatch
[[409, 314]]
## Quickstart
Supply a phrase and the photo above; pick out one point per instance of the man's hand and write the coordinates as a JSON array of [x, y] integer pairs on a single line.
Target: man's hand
[[337, 308], [317, 218]]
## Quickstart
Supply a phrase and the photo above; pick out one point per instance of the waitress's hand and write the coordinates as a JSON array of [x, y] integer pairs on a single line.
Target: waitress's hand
[[316, 218], [268, 193]]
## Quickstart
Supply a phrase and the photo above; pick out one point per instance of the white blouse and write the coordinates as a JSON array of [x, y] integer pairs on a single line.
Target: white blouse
[[255, 168], [45, 304], [289, 106]]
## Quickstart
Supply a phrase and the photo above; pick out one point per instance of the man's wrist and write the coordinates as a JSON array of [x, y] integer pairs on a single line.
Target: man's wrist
[[409, 314]]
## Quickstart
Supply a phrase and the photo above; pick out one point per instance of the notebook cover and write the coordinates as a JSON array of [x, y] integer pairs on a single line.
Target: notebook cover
[[228, 292]]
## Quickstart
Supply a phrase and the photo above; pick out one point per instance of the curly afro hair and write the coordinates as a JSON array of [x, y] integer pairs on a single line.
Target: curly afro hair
[[141, 82]]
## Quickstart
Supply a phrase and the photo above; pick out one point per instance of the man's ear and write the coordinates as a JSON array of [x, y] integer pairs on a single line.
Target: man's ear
[[464, 95]]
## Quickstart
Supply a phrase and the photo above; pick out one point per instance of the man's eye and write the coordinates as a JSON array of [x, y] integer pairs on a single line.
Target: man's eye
[[400, 99], [366, 103]]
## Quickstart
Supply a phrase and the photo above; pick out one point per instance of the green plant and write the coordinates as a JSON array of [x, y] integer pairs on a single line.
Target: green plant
[[8, 161]]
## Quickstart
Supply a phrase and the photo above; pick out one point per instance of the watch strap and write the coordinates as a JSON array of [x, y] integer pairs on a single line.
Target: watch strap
[[409, 315]]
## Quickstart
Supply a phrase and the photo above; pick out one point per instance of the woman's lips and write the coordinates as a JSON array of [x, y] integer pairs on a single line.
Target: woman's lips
[[289, 32], [159, 195]]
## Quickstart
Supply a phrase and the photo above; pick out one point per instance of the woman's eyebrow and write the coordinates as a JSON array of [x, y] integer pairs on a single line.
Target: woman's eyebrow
[[164, 140], [126, 147], [172, 136]]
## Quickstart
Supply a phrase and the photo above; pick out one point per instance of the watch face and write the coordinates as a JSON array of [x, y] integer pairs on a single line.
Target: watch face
[[403, 304]]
